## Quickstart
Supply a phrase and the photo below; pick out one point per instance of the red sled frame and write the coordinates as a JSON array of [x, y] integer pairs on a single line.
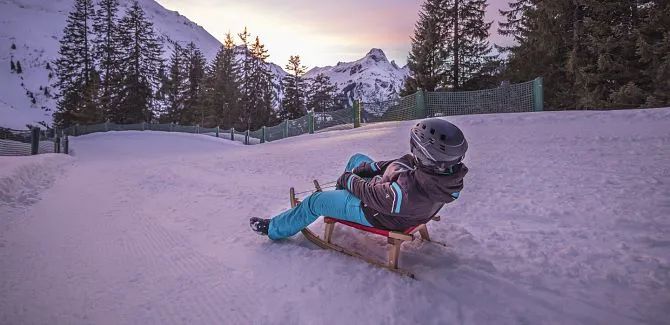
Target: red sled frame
[[395, 239]]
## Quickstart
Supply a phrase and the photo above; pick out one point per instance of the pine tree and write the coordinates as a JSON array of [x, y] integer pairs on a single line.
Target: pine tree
[[173, 87], [19, 70], [653, 48], [107, 45], [293, 103], [321, 94], [140, 62], [427, 57], [246, 86], [449, 46], [261, 94], [12, 66], [195, 73], [222, 93], [467, 46], [516, 23], [75, 70], [13, 47]]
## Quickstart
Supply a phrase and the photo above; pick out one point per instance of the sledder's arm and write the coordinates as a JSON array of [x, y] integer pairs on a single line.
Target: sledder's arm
[[372, 169], [387, 198]]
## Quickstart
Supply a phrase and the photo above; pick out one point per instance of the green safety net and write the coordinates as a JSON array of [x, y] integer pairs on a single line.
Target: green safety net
[[522, 97]]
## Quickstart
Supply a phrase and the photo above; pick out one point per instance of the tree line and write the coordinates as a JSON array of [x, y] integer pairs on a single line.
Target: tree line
[[591, 53], [110, 68]]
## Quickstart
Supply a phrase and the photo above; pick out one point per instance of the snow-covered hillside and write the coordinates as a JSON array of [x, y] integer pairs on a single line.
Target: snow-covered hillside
[[563, 220], [370, 79], [35, 27]]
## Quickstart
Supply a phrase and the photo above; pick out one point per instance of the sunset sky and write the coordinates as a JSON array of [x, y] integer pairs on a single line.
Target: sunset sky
[[321, 32]]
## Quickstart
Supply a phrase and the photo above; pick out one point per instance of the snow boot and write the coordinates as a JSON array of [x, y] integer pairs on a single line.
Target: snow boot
[[260, 226]]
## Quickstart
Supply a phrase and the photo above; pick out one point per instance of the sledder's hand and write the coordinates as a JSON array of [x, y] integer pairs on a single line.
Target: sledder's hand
[[342, 181]]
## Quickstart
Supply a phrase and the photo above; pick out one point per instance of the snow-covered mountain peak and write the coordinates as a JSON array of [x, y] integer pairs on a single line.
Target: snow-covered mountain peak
[[376, 55]]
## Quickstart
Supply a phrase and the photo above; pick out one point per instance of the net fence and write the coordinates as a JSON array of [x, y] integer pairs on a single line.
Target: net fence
[[521, 97], [19, 142]]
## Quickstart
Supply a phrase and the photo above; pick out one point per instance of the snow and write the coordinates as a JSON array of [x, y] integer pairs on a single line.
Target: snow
[[36, 26], [564, 219]]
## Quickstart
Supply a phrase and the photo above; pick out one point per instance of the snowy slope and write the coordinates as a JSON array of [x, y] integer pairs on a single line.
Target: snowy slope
[[370, 79], [36, 26], [563, 220]]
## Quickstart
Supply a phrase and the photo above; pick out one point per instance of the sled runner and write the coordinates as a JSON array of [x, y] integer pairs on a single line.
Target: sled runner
[[394, 238]]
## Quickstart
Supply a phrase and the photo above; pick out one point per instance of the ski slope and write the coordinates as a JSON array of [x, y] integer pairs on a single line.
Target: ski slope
[[564, 219]]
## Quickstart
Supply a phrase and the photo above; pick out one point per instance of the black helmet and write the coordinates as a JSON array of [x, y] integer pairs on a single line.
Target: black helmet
[[437, 145]]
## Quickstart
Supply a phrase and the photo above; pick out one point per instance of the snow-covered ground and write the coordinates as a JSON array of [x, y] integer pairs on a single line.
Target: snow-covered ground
[[564, 219]]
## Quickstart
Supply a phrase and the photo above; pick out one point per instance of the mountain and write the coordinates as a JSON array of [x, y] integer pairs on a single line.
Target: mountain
[[370, 79], [30, 31], [35, 27]]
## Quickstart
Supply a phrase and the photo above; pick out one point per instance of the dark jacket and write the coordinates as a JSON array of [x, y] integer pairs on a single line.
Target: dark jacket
[[396, 195]]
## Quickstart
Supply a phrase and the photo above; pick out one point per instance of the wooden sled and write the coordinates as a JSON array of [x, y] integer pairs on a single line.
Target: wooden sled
[[395, 239]]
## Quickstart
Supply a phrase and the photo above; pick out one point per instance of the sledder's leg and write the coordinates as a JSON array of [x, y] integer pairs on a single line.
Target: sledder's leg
[[336, 204], [356, 160]]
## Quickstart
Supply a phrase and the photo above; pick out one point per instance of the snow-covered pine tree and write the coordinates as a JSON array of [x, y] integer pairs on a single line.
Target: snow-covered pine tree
[[107, 45], [427, 57], [19, 69], [13, 47], [75, 69], [140, 62], [194, 68], [295, 90], [12, 66], [261, 94], [222, 91], [321, 94]]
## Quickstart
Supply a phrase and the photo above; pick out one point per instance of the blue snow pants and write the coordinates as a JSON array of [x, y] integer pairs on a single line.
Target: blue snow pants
[[338, 204]]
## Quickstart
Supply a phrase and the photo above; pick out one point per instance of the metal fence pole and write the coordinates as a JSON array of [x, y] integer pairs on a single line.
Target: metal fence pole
[[57, 144], [107, 125], [217, 131], [232, 134], [286, 128], [357, 113], [538, 95], [34, 140], [310, 121], [263, 134], [420, 104], [246, 137], [66, 145]]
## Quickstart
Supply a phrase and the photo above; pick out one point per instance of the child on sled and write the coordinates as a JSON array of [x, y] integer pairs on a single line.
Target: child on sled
[[394, 194]]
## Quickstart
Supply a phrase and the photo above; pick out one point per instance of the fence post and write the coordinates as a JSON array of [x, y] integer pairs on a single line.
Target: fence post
[[286, 128], [420, 97], [310, 121], [107, 125], [246, 137], [217, 131], [197, 128], [263, 134], [232, 134], [357, 113], [538, 95], [57, 144], [143, 127], [34, 140], [66, 145]]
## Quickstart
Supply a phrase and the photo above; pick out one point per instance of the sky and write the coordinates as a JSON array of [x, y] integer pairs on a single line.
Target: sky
[[321, 32]]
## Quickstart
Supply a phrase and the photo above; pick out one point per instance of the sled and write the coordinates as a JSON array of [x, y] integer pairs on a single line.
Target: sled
[[395, 239]]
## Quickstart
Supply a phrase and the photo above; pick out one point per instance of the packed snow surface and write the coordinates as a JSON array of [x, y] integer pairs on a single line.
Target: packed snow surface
[[564, 219]]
